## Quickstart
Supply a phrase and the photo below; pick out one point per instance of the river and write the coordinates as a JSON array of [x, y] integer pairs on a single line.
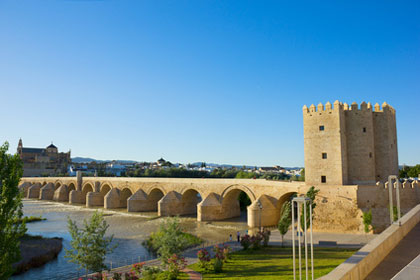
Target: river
[[129, 230]]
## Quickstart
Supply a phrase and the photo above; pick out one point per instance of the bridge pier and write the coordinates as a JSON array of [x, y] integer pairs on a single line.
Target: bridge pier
[[33, 191], [170, 204], [24, 188], [210, 209], [112, 199], [268, 214], [76, 197], [139, 202], [94, 199], [61, 194], [47, 192]]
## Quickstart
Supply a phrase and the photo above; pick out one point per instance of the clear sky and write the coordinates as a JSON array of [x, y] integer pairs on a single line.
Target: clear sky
[[210, 81]]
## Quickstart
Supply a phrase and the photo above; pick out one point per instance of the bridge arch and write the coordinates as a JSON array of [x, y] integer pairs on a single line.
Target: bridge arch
[[87, 187], [72, 187], [155, 194], [230, 200], [57, 184], [189, 200], [238, 188], [105, 188], [124, 195], [283, 199]]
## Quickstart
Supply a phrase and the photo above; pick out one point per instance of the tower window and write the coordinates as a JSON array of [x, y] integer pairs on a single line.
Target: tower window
[[324, 155], [370, 155], [321, 128], [323, 179], [364, 129]]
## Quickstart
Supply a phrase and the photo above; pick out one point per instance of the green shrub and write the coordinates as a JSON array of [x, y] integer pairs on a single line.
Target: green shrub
[[151, 273], [170, 239], [218, 265], [367, 220]]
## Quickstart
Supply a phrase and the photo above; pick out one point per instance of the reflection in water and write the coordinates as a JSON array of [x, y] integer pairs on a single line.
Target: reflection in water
[[129, 230]]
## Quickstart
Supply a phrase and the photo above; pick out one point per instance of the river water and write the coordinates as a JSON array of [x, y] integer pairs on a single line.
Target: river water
[[129, 230]]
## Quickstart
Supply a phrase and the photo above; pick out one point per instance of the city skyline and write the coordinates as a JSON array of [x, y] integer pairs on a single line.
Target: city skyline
[[200, 81]]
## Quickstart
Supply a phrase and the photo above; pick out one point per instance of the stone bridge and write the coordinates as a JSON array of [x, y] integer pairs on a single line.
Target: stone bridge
[[210, 199]]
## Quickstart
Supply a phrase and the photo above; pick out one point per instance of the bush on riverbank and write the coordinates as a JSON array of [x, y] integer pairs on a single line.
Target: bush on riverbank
[[29, 219], [170, 239], [36, 251]]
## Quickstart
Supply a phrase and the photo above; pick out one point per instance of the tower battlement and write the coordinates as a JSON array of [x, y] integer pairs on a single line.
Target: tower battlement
[[349, 144], [328, 107]]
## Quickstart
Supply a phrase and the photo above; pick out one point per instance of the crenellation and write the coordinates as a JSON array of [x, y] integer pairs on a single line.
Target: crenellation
[[380, 185], [320, 107], [346, 106], [312, 108], [328, 106]]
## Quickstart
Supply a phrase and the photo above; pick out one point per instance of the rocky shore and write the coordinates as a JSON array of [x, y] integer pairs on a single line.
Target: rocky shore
[[36, 251]]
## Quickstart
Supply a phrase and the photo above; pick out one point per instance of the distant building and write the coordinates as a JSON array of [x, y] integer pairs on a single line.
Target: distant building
[[115, 169], [72, 170], [43, 161]]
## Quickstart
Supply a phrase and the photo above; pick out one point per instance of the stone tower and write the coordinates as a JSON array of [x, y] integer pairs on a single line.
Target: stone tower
[[20, 147], [348, 145]]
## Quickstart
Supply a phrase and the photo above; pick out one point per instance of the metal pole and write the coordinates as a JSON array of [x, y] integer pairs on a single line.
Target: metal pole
[[299, 245], [312, 242], [293, 240], [306, 240], [398, 200], [391, 207]]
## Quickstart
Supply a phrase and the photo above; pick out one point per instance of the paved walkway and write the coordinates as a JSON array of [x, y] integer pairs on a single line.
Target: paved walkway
[[410, 272], [319, 238], [401, 256]]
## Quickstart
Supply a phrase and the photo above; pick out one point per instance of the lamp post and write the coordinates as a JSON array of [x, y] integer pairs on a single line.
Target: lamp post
[[397, 197], [299, 201], [260, 207]]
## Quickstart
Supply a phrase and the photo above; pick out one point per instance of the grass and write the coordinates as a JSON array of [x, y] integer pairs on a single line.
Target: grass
[[274, 263], [30, 219]]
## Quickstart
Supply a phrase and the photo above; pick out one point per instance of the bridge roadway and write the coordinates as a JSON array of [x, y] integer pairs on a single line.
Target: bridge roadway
[[211, 199]]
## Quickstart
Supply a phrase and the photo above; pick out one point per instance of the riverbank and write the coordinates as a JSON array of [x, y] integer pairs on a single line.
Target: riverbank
[[36, 251]]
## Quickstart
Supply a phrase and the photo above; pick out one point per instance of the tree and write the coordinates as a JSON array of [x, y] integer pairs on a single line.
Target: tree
[[10, 211], [285, 220], [170, 240], [311, 193], [302, 174], [89, 244], [414, 171]]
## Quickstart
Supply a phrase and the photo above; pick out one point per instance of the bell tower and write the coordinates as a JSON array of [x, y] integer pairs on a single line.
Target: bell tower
[[20, 146]]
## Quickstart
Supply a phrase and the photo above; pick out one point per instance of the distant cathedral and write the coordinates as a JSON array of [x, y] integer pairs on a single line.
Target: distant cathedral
[[43, 162]]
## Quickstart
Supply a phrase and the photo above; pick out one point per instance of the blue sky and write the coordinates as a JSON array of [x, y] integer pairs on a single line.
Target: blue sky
[[210, 81]]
